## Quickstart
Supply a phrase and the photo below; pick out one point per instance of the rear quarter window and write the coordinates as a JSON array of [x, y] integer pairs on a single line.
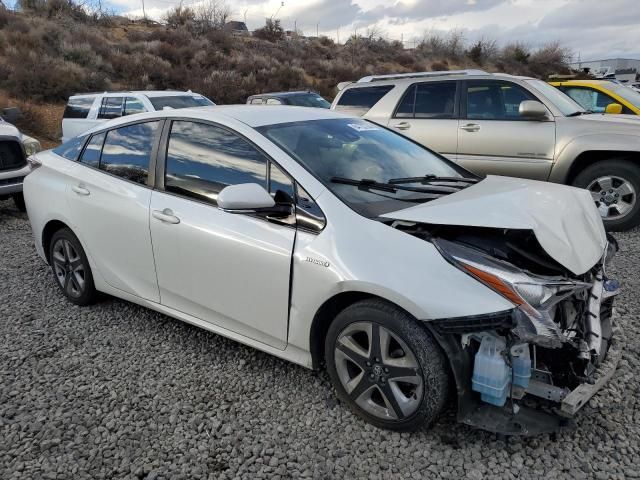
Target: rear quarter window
[[78, 107], [363, 98], [71, 149]]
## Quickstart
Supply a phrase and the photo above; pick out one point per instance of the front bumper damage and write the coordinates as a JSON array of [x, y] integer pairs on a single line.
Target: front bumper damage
[[552, 415], [545, 405]]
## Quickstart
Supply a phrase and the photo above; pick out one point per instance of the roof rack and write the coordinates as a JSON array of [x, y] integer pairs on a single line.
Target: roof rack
[[441, 73]]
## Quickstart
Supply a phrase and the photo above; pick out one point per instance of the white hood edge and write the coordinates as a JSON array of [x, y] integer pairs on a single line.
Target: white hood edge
[[564, 219]]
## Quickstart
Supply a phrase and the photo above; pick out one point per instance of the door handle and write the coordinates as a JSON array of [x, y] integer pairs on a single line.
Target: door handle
[[402, 126], [165, 216], [80, 190], [470, 127]]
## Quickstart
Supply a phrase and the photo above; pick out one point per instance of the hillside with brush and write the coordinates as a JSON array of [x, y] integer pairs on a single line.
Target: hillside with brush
[[50, 49]]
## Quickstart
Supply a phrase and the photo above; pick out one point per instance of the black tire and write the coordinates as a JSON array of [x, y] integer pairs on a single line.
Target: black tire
[[71, 268], [18, 199], [432, 367], [620, 169]]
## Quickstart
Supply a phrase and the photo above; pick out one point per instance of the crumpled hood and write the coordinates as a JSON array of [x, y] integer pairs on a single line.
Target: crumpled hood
[[564, 219]]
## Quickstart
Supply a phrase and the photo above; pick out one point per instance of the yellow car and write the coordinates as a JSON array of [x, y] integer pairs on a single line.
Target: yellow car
[[602, 96]]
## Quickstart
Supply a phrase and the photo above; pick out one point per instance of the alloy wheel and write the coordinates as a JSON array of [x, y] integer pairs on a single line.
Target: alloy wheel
[[378, 371], [615, 196], [69, 268]]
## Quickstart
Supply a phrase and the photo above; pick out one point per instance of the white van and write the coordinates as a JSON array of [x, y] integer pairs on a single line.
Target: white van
[[85, 111]]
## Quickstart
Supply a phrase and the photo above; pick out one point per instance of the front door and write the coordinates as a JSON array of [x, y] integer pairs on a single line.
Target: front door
[[109, 203], [229, 269], [494, 139], [428, 114]]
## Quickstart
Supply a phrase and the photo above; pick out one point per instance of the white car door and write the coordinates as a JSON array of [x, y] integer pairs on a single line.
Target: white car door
[[229, 269], [109, 201]]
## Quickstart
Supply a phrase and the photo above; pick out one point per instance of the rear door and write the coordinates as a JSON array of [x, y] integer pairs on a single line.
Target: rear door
[[229, 269], [494, 139], [428, 114], [109, 194]]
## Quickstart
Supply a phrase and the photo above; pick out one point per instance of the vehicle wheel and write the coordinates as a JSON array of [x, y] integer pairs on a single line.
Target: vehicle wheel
[[18, 199], [71, 268], [614, 186], [385, 366]]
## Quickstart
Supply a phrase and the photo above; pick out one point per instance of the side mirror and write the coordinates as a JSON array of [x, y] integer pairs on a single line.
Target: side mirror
[[533, 110], [245, 197], [613, 109]]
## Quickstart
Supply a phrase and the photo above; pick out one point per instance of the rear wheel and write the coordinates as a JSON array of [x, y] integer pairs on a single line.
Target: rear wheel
[[614, 186], [71, 268], [386, 367]]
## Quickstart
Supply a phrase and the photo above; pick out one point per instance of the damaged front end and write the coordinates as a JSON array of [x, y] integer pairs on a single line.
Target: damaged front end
[[527, 370]]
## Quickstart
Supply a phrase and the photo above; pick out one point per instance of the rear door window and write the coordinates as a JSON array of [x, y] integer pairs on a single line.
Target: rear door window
[[127, 151], [273, 101], [111, 108], [428, 100], [363, 98], [78, 107]]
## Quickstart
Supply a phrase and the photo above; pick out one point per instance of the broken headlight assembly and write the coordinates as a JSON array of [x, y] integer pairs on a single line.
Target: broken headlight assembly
[[534, 297]]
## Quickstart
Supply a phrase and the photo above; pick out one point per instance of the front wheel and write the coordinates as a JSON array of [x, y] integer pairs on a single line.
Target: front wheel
[[614, 186], [385, 366]]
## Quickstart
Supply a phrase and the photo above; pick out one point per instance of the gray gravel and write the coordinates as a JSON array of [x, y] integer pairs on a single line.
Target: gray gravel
[[118, 391]]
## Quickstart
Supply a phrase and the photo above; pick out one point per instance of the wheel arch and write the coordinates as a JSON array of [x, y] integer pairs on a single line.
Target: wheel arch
[[591, 157], [51, 227]]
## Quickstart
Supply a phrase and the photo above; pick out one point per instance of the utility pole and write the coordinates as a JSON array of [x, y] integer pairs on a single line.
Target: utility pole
[[317, 36], [295, 26], [245, 16], [338, 35], [144, 15]]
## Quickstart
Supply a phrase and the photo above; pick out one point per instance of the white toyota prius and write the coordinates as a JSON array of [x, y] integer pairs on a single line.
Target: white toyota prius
[[333, 242]]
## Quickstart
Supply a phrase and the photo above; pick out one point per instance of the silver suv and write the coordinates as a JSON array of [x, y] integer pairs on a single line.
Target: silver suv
[[506, 125]]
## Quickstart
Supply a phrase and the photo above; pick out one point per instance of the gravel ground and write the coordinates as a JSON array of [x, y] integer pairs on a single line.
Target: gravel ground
[[118, 391]]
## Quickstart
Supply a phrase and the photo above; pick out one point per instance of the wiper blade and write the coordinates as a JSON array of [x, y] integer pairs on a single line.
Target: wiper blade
[[432, 178], [368, 184], [580, 112]]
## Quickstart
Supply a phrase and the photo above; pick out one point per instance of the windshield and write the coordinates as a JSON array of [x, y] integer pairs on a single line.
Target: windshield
[[626, 93], [563, 102], [308, 100], [180, 101], [352, 148]]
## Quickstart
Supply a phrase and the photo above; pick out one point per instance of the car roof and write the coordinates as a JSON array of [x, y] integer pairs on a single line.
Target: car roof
[[251, 116], [147, 93], [401, 81], [594, 83], [284, 94]]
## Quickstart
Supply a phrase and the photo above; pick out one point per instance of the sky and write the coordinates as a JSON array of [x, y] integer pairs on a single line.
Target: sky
[[591, 29]]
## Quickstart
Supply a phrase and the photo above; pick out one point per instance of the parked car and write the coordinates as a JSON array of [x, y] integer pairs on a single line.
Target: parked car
[[87, 110], [15, 147], [299, 99], [602, 96], [516, 126], [323, 238]]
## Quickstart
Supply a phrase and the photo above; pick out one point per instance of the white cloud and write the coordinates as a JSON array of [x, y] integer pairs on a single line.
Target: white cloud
[[595, 28]]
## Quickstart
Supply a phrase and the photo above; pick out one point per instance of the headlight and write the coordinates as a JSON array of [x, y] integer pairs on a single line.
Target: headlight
[[31, 145], [534, 296]]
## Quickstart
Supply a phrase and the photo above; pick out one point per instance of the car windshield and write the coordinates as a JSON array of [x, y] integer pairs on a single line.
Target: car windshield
[[626, 93], [347, 148], [308, 100], [180, 101], [563, 102]]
